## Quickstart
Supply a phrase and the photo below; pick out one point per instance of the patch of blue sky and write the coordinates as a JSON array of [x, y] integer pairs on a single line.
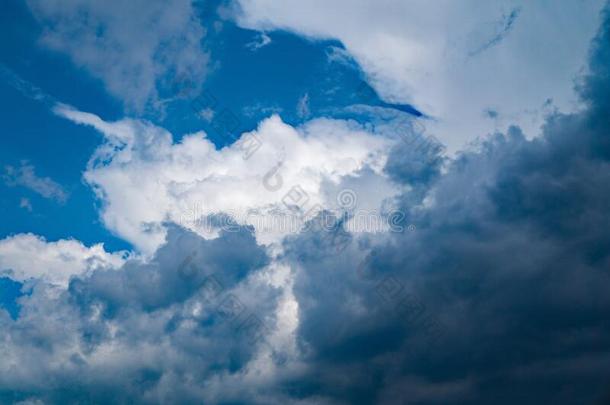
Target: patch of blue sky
[[297, 78], [57, 149], [10, 291]]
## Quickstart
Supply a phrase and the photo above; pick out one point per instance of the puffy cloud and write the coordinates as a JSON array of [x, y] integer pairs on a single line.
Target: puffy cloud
[[454, 61], [131, 46], [25, 256], [193, 323], [144, 179]]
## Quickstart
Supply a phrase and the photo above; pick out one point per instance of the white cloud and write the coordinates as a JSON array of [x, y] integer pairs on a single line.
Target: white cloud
[[27, 256], [145, 179], [130, 45], [25, 176], [453, 60], [303, 106], [259, 42]]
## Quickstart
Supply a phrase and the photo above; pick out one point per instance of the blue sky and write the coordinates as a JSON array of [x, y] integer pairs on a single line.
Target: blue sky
[[323, 202]]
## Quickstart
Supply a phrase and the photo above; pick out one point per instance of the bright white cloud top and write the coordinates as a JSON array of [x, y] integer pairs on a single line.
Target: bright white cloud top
[[144, 178], [26, 257]]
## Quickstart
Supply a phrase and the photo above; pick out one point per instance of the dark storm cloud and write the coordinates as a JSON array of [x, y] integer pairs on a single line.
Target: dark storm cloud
[[511, 263]]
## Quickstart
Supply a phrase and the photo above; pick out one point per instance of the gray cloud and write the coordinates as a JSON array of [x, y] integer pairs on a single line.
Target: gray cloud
[[164, 330], [509, 263]]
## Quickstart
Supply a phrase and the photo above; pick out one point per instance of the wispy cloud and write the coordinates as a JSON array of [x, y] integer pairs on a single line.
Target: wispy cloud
[[26, 204], [131, 46], [261, 41], [303, 106], [26, 88], [25, 176]]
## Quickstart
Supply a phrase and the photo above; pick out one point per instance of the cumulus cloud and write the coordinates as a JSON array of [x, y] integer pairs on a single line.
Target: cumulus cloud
[[25, 176], [131, 46], [144, 179], [452, 60], [500, 294], [25, 256], [191, 324]]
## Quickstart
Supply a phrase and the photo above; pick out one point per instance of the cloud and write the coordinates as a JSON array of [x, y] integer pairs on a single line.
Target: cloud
[[24, 257], [26, 88], [144, 179], [452, 61], [25, 176], [500, 293], [133, 47], [150, 331], [303, 107], [26, 204], [261, 41]]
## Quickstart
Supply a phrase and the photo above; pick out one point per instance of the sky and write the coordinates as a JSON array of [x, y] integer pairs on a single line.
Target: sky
[[304, 202]]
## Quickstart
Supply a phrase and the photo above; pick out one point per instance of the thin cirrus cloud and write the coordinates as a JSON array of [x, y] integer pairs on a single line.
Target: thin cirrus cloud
[[25, 175]]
